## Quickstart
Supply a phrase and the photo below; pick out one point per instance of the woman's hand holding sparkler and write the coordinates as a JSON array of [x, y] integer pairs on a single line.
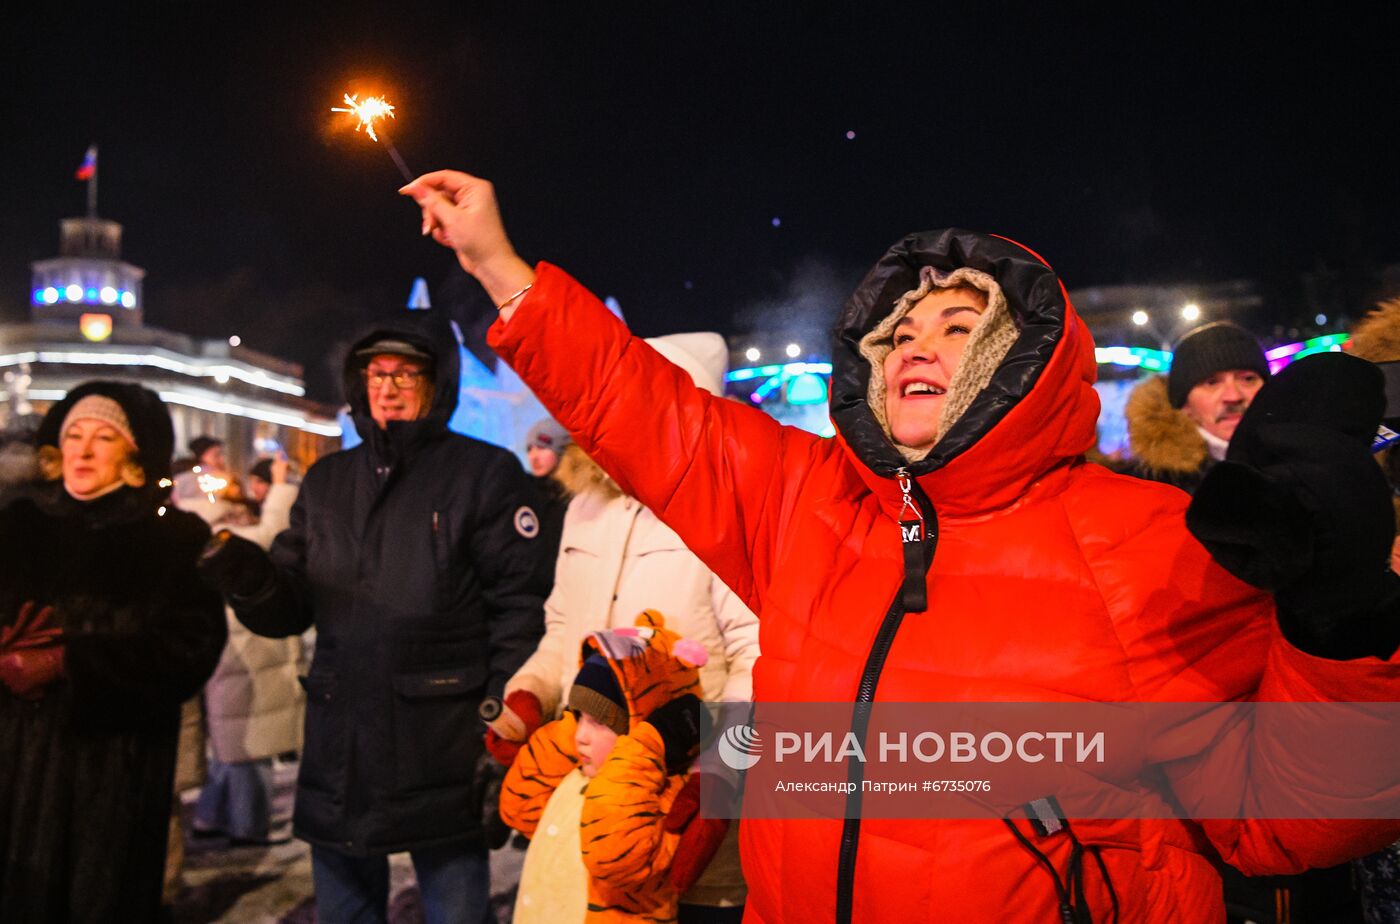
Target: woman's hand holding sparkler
[[460, 212]]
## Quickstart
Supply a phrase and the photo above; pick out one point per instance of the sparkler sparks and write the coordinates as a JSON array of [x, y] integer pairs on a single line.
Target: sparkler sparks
[[365, 113], [373, 107], [210, 485]]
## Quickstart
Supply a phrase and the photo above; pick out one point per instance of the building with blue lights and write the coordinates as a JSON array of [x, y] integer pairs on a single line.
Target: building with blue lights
[[88, 275], [86, 321]]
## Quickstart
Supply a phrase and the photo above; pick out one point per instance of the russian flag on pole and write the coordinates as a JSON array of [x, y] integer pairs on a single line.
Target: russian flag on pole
[[88, 169]]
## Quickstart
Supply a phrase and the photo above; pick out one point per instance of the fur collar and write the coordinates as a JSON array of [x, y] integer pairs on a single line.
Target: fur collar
[[581, 475], [1377, 336], [1160, 437]]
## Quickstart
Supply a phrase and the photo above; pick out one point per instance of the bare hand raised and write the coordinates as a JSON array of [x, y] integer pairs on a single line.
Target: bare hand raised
[[280, 465], [460, 212]]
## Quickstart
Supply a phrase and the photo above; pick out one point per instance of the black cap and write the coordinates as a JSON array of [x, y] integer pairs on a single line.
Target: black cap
[[202, 444], [1209, 349], [262, 469], [394, 346]]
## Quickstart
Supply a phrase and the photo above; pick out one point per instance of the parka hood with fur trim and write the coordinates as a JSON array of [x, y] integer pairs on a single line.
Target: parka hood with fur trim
[[1377, 337], [1162, 439]]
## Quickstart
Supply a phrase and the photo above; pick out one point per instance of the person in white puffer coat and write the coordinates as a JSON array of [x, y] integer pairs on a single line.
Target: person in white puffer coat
[[254, 702], [617, 559]]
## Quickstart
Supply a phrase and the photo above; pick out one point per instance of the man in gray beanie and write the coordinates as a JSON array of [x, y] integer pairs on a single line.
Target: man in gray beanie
[[1179, 425]]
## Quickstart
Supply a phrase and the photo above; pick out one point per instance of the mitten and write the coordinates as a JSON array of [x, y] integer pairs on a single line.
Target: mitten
[[678, 722], [27, 671], [526, 707], [1300, 508], [700, 837], [234, 566]]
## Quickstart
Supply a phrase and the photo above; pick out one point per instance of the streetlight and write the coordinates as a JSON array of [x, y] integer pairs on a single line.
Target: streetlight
[[1190, 312], [752, 354], [793, 350], [1143, 319]]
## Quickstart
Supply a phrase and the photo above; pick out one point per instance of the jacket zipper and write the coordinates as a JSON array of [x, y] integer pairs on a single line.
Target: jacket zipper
[[919, 510]]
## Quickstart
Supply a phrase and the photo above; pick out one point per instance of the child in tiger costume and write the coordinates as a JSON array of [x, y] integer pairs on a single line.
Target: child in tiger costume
[[594, 790]]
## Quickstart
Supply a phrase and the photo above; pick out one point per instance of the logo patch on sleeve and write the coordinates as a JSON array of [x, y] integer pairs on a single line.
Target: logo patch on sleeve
[[526, 523]]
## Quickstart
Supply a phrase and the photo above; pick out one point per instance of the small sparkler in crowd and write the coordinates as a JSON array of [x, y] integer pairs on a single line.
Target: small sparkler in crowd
[[210, 485], [365, 112]]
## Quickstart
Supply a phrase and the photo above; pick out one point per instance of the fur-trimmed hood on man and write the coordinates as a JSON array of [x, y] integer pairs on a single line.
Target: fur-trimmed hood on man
[[1377, 337], [1162, 439]]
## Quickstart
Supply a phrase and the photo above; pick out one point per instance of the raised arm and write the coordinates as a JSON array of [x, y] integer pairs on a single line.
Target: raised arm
[[723, 476]]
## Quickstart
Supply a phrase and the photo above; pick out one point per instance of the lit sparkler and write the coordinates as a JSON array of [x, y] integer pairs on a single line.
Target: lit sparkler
[[211, 485], [366, 112]]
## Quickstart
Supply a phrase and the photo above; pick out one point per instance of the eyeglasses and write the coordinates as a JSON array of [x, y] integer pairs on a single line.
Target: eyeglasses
[[403, 379]]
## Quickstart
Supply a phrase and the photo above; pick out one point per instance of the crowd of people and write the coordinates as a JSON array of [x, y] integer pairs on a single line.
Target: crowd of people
[[668, 548]]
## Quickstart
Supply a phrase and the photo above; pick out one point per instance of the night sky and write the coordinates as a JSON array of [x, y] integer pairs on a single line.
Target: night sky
[[699, 166]]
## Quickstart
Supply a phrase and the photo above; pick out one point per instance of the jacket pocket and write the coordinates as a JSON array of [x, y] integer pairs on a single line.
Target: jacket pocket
[[439, 683], [436, 729], [324, 752]]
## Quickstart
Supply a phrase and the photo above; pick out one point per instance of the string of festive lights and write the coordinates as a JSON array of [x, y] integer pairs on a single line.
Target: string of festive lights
[[775, 376], [1278, 357]]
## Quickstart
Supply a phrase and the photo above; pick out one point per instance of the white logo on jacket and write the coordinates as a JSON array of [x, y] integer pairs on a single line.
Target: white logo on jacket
[[526, 523]]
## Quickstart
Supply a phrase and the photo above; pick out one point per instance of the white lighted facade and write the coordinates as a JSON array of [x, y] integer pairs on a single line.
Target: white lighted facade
[[86, 322]]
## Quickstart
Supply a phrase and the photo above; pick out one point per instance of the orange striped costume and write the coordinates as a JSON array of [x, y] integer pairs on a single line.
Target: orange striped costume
[[625, 848]]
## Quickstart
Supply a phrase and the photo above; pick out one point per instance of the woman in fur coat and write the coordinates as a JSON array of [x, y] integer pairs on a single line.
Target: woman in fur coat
[[105, 629]]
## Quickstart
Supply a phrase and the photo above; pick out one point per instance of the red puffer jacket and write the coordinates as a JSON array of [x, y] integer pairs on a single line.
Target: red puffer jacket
[[1050, 580]]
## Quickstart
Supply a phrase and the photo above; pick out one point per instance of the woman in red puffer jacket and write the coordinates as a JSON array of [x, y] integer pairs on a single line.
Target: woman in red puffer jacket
[[963, 399]]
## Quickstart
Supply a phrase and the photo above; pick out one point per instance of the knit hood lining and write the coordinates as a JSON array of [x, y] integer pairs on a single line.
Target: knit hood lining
[[987, 346]]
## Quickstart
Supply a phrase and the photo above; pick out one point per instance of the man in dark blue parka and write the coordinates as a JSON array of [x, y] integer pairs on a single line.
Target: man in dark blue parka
[[414, 555]]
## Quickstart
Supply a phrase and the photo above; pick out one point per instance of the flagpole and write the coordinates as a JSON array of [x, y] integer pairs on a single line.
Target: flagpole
[[92, 186]]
